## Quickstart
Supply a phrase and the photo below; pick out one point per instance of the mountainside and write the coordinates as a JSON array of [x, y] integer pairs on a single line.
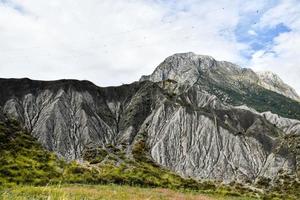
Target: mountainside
[[66, 116], [194, 115], [22, 158], [273, 82], [229, 82], [23, 161]]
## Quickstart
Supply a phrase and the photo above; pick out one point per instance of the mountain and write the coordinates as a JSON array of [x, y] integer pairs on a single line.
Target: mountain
[[193, 115], [273, 82], [229, 82], [24, 161], [189, 67]]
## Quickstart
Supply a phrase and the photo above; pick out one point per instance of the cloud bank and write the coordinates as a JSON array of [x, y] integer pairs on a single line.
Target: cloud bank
[[114, 42]]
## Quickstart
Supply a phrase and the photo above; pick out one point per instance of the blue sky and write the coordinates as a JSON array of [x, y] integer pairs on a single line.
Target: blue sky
[[258, 39], [124, 39]]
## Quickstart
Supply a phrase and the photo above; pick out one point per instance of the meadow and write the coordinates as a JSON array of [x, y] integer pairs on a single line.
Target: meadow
[[104, 192]]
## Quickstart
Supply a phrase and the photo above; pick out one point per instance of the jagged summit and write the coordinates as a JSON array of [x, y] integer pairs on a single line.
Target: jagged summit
[[189, 55], [190, 68], [273, 82], [187, 67], [268, 75]]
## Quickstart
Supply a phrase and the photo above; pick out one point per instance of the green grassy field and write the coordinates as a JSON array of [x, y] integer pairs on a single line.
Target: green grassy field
[[109, 192]]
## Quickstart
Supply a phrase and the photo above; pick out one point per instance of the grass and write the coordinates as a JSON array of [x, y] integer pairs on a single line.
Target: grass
[[93, 192], [26, 169], [22, 158]]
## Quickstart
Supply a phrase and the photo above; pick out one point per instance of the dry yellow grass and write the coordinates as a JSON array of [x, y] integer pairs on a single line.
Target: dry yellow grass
[[103, 192]]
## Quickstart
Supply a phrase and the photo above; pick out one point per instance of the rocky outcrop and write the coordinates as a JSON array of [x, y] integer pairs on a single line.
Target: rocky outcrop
[[190, 68], [229, 82], [273, 82], [216, 142], [187, 125], [67, 115]]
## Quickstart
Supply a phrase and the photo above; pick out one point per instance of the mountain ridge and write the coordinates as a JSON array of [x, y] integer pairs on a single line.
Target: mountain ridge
[[206, 64], [273, 82], [190, 119]]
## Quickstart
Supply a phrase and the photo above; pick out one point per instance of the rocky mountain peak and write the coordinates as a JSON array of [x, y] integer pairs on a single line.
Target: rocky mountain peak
[[182, 67], [187, 67], [270, 76], [190, 68], [273, 82], [190, 56]]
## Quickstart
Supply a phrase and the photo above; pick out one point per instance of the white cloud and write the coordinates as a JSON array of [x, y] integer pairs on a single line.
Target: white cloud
[[252, 32], [110, 42], [116, 41], [283, 57]]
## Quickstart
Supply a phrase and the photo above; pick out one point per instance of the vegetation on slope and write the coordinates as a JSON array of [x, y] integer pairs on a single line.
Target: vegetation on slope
[[258, 98], [110, 165], [24, 162]]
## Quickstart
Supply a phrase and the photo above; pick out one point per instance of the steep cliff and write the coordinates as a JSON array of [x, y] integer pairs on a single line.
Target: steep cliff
[[68, 115]]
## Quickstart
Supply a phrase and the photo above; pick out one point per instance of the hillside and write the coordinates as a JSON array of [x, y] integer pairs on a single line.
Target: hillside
[[194, 119], [24, 162]]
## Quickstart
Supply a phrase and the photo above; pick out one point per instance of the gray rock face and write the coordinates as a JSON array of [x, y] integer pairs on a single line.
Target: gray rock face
[[289, 126], [216, 142], [188, 129], [273, 82], [189, 68], [66, 116]]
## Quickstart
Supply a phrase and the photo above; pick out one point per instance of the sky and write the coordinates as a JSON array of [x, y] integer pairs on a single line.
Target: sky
[[111, 42]]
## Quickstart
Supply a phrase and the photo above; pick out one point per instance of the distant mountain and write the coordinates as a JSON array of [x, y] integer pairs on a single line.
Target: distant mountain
[[273, 82], [196, 116]]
